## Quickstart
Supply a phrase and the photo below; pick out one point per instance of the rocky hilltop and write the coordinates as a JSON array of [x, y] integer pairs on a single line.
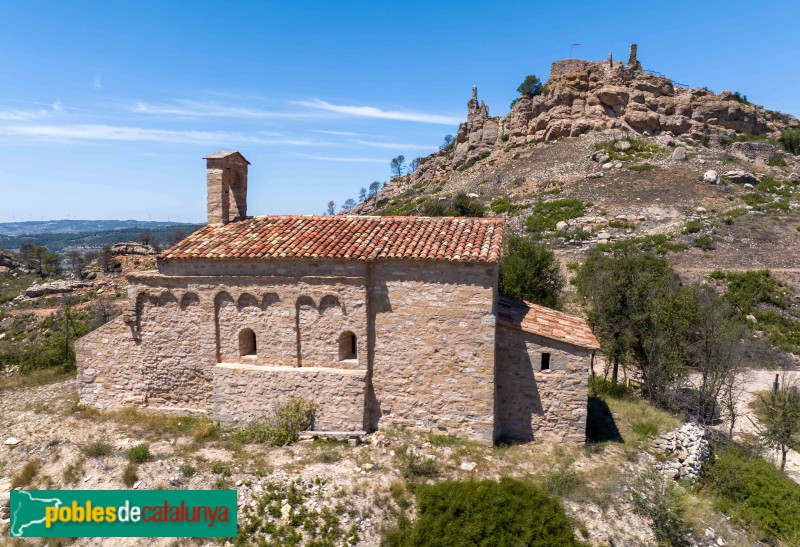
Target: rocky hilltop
[[583, 96]]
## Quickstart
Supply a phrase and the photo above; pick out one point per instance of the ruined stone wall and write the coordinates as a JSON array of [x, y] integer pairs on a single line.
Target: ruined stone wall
[[434, 338], [248, 392], [533, 403]]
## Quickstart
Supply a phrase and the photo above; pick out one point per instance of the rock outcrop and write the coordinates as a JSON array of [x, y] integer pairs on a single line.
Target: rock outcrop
[[8, 260], [132, 248], [582, 96]]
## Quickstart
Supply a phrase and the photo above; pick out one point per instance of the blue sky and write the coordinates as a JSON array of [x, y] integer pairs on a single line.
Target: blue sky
[[106, 108]]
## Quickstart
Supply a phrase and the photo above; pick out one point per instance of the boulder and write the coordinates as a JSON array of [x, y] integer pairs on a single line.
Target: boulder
[[741, 177], [622, 145], [612, 96], [679, 154], [794, 178], [711, 177], [562, 225]]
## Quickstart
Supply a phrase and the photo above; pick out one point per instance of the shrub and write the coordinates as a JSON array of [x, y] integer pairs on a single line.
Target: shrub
[[736, 96], [434, 208], [530, 271], [485, 154], [704, 242], [515, 156], [504, 138], [130, 475], [754, 199], [461, 206], [791, 141], [692, 227], [777, 162], [753, 492], [504, 205], [465, 206], [643, 167], [774, 186], [659, 500], [415, 466], [139, 453], [547, 214], [97, 449], [600, 386], [26, 475], [639, 150], [508, 512], [283, 427]]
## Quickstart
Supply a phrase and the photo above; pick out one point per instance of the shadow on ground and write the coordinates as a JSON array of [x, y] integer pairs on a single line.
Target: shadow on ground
[[600, 424]]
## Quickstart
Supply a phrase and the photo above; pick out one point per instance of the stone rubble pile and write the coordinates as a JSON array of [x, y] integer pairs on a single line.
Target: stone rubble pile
[[5, 501], [686, 449]]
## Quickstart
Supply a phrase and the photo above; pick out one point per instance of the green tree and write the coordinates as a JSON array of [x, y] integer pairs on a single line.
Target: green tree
[[530, 271], [397, 165], [619, 291], [373, 189], [531, 86], [780, 419]]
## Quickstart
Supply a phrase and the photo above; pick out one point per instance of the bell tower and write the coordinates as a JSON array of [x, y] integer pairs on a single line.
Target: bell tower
[[226, 180]]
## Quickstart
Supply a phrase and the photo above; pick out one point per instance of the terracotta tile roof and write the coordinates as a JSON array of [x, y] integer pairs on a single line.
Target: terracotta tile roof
[[545, 322], [346, 237]]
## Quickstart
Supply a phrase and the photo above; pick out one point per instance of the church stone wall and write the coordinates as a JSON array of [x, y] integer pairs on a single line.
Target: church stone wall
[[183, 325], [434, 336], [533, 403], [248, 392]]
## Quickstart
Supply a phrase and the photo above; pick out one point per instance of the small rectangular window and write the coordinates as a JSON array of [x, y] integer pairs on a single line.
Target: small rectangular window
[[545, 361]]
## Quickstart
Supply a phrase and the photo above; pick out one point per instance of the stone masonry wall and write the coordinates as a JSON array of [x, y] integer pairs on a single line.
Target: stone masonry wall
[[533, 403], [185, 324], [108, 371], [434, 337], [248, 392]]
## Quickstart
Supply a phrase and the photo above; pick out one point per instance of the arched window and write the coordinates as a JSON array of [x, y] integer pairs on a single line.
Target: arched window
[[247, 343], [348, 346]]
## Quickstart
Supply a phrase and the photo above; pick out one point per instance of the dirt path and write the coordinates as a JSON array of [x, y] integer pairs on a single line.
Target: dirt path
[[758, 381]]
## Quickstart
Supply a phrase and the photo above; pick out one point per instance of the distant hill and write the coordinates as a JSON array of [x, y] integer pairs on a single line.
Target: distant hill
[[61, 235], [76, 226]]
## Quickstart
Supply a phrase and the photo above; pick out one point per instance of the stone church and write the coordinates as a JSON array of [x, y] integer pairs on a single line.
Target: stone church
[[380, 321]]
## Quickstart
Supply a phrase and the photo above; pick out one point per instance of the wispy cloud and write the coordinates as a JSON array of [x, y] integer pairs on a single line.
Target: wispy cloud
[[373, 112], [89, 132], [26, 115], [396, 145], [209, 109], [342, 159], [341, 133], [96, 83]]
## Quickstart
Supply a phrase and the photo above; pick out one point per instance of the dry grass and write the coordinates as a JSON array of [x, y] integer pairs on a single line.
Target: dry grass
[[36, 378]]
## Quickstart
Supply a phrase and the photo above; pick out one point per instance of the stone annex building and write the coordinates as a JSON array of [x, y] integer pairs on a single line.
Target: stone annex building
[[381, 321]]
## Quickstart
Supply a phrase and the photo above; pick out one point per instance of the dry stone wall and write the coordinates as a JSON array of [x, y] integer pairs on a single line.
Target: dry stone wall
[[534, 403], [433, 359]]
